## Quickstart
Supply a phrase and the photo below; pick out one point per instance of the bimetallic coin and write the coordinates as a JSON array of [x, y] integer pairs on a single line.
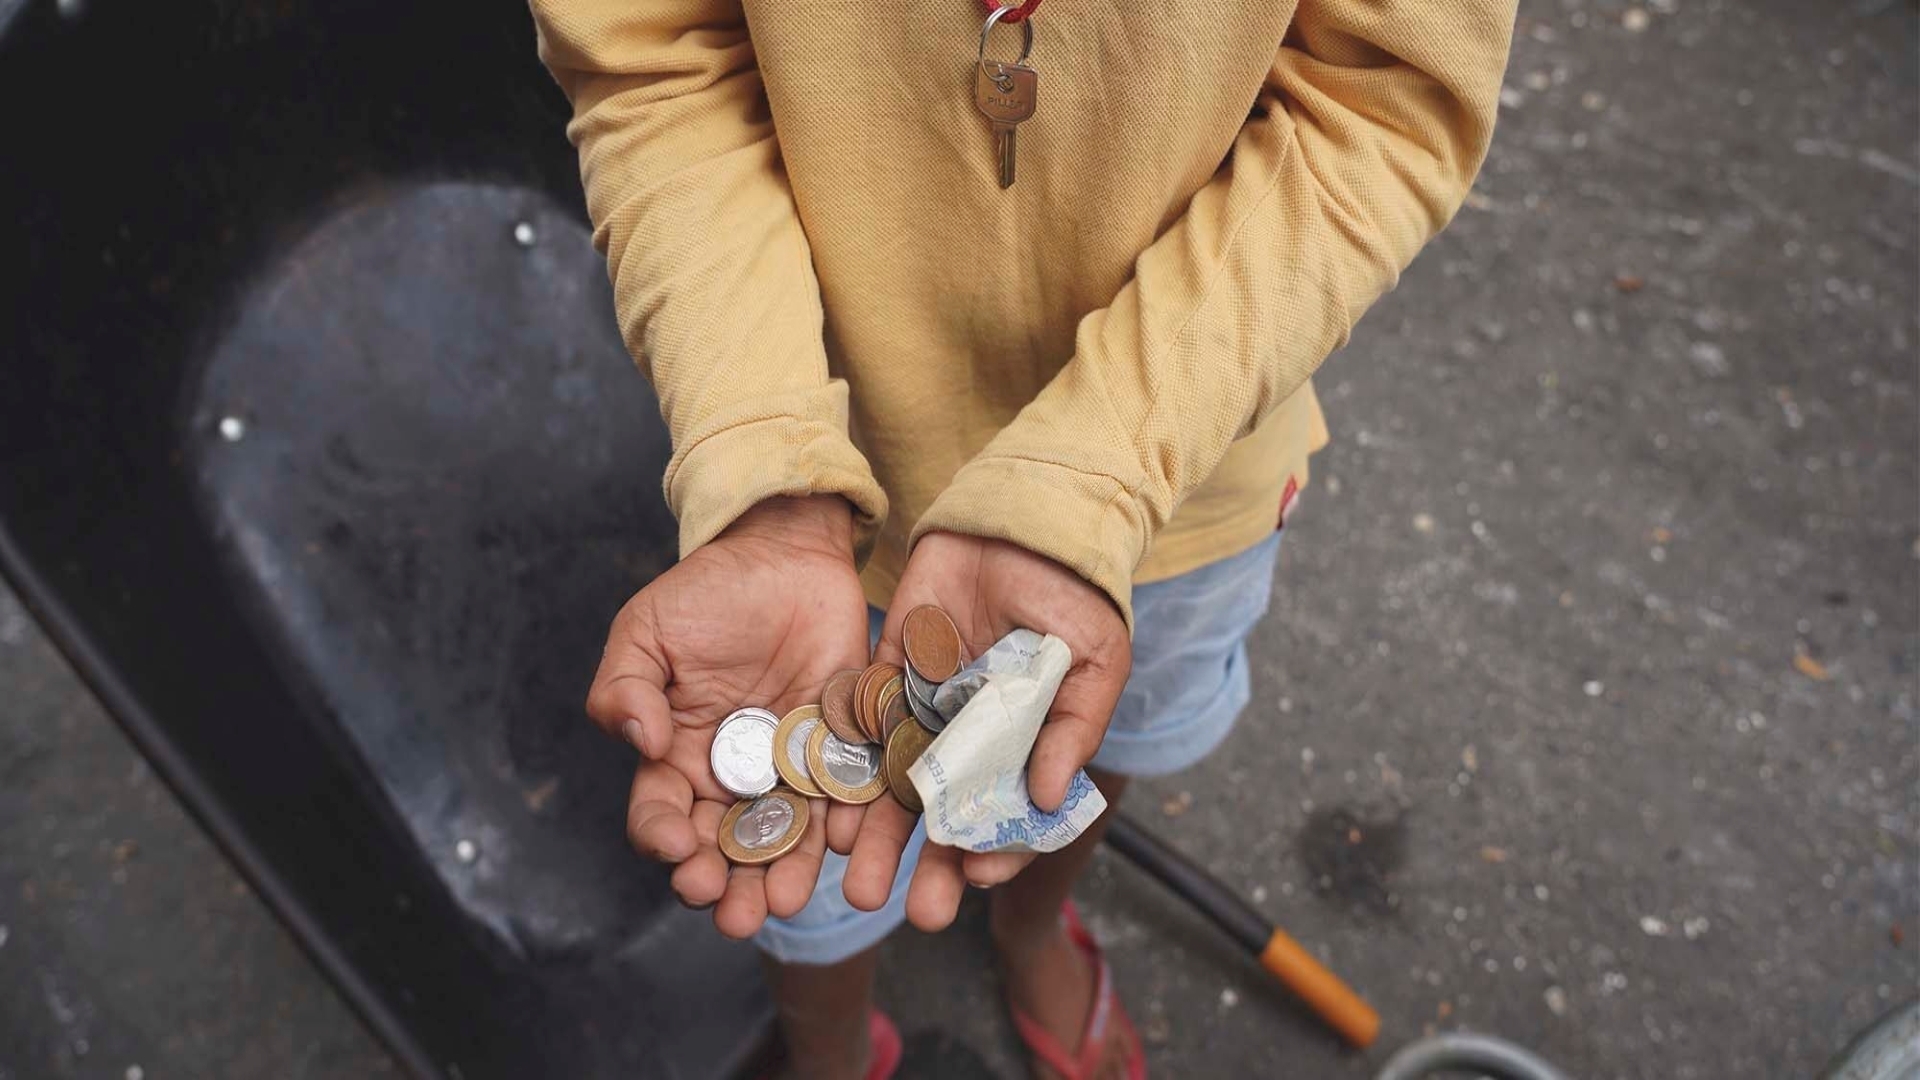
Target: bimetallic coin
[[790, 749], [836, 704], [742, 754], [904, 747], [931, 642], [893, 707], [761, 830], [848, 772]]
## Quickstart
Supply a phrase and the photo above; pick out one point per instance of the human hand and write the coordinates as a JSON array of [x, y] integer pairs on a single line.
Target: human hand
[[761, 615], [989, 588]]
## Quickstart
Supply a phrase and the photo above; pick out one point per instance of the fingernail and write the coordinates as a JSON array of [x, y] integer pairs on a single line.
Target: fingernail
[[636, 735]]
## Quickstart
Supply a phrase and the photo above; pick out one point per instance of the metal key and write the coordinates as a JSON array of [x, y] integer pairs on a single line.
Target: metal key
[[1005, 92]]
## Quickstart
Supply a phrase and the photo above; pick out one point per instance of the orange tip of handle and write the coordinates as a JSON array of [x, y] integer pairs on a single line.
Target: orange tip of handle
[[1333, 1000]]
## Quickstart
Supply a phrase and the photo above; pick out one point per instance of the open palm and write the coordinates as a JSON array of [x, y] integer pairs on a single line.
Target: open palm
[[990, 588], [762, 615]]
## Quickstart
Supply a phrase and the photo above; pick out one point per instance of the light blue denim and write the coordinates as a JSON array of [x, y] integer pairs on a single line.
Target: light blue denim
[[1189, 684]]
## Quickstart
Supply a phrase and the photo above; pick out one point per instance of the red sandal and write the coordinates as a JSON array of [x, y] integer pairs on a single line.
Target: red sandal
[[1107, 1017], [884, 1039], [883, 1048]]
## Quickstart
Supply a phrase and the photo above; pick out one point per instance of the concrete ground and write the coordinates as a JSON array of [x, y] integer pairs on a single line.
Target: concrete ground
[[1586, 714]]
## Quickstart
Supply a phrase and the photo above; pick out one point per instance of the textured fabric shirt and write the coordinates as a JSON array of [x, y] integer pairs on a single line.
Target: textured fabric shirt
[[1108, 363]]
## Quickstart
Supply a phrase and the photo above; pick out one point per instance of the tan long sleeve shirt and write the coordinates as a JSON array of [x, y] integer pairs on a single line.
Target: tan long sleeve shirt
[[1107, 363]]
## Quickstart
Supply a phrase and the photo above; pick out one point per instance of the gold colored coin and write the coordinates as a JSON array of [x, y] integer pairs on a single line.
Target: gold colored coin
[[847, 772], [904, 747], [836, 703], [790, 749], [932, 643], [761, 830]]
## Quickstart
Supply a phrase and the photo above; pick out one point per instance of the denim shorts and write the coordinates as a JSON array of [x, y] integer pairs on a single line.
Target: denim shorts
[[1189, 684]]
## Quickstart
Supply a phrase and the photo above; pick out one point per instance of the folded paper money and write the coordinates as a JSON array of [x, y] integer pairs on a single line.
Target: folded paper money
[[973, 779]]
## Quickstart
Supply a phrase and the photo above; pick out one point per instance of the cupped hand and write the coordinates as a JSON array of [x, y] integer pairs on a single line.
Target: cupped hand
[[990, 588], [761, 615]]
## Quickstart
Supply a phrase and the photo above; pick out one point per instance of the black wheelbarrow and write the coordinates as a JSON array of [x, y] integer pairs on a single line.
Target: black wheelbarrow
[[322, 461]]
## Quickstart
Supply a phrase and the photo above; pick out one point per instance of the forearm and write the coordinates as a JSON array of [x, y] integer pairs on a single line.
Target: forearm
[[712, 278], [1375, 120]]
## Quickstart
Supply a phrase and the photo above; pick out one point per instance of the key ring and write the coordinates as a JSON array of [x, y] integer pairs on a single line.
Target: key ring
[[1022, 10], [1000, 77], [993, 20]]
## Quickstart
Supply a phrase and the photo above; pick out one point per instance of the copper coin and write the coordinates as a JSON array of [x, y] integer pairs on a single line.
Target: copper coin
[[790, 749], [885, 685], [836, 703], [848, 772], [904, 747], [855, 710], [893, 707], [761, 830], [863, 701], [932, 643], [868, 712]]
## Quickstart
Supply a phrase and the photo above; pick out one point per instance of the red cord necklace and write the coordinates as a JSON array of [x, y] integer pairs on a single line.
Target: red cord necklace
[[1019, 12]]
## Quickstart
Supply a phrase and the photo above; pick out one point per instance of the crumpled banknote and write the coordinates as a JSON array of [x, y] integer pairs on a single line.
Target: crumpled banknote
[[1012, 653], [973, 779]]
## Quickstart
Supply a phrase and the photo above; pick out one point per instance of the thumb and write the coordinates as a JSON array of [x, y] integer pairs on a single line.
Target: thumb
[[888, 649], [1075, 727], [628, 699]]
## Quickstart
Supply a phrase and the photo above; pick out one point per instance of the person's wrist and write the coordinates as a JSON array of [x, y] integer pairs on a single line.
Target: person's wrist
[[991, 554], [819, 524]]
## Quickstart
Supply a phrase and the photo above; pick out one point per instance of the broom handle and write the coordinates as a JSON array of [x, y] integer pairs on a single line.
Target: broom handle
[[1279, 953]]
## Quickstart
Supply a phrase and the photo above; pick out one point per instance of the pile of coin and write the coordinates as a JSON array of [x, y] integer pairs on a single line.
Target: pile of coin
[[853, 747]]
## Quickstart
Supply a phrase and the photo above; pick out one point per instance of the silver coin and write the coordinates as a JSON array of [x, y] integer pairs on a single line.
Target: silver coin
[[920, 685], [852, 765], [742, 756], [920, 700], [797, 745], [763, 824]]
